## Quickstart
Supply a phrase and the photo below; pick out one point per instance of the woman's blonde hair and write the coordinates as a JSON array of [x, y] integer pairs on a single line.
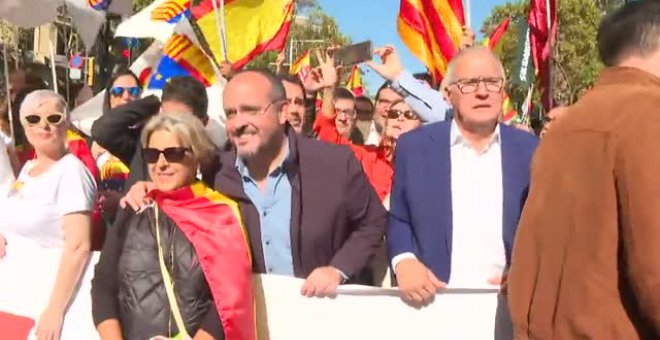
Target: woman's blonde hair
[[187, 128]]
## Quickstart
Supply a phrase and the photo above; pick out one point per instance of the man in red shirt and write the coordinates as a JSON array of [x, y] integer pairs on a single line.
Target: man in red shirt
[[338, 104]]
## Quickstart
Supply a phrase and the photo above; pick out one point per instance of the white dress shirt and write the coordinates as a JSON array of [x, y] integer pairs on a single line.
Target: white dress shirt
[[477, 207]]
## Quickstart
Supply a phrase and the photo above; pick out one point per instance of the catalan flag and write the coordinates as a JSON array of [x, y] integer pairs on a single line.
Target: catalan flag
[[492, 41], [99, 5], [251, 28], [171, 11], [354, 82], [114, 174], [182, 58], [302, 67], [432, 30], [212, 224]]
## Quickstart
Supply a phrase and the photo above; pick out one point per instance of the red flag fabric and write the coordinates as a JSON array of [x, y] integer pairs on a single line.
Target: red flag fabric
[[432, 30], [15, 326], [542, 21], [498, 33], [212, 223]]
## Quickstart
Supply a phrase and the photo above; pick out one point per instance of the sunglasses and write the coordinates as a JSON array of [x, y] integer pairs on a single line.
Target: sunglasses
[[395, 114], [172, 155], [52, 119], [118, 91]]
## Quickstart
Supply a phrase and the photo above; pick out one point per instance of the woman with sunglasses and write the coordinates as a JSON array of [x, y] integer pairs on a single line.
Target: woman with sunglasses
[[123, 88], [180, 268], [50, 203]]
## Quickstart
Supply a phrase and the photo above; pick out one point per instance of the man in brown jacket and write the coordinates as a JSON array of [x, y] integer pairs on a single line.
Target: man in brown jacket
[[586, 260]]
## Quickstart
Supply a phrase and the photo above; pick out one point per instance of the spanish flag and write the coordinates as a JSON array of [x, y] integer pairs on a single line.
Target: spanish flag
[[302, 67], [354, 82], [432, 30], [492, 41], [182, 58], [171, 11], [251, 28], [212, 223]]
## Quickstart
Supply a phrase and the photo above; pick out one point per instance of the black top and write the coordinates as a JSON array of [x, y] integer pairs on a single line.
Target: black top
[[128, 285]]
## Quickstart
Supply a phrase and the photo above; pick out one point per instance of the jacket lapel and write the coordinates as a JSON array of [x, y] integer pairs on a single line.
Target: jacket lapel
[[230, 183], [438, 158], [292, 170], [511, 182]]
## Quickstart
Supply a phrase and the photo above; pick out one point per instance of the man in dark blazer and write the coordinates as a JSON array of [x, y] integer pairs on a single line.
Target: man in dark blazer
[[308, 207], [459, 187]]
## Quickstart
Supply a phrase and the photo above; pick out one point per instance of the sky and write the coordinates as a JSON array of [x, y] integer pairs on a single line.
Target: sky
[[375, 20]]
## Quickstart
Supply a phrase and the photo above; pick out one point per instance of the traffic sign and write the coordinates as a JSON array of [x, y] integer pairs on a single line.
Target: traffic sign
[[76, 62]]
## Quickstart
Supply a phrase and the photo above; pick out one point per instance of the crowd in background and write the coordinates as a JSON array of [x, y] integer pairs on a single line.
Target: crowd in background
[[421, 189]]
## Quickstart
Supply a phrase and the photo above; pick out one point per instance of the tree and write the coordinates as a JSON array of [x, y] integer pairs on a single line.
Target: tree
[[575, 57], [140, 4]]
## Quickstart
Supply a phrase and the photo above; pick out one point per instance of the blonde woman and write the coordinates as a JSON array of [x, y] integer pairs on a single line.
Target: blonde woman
[[50, 202], [181, 268]]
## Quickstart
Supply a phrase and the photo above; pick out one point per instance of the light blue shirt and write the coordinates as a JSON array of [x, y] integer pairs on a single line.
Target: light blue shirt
[[425, 101], [274, 207]]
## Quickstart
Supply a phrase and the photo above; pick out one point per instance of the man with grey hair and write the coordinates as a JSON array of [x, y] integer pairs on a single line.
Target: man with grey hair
[[292, 191], [586, 263], [453, 220]]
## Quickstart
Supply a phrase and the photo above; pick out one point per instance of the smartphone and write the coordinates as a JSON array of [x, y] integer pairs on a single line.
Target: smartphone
[[354, 54]]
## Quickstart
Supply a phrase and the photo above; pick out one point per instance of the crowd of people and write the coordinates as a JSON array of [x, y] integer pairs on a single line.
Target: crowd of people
[[421, 189]]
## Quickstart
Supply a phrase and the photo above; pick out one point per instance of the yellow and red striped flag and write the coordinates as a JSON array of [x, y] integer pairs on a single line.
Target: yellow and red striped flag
[[211, 222], [492, 41], [354, 83], [251, 28], [171, 11], [432, 30], [509, 113], [302, 67], [181, 57]]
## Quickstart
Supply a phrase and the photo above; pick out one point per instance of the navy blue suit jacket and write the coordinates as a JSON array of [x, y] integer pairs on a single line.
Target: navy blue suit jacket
[[421, 202]]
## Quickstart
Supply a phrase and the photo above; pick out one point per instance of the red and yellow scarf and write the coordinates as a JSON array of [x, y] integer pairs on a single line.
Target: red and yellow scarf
[[212, 223]]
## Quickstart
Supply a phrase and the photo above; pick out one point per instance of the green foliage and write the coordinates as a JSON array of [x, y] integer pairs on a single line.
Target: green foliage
[[575, 57], [140, 4]]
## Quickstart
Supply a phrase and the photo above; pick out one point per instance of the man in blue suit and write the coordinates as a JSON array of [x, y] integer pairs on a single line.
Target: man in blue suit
[[459, 187]]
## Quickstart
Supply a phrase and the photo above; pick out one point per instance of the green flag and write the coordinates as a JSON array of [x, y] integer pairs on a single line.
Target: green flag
[[523, 72]]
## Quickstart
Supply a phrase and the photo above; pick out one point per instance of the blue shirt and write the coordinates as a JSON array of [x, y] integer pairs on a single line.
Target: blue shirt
[[274, 207], [425, 101]]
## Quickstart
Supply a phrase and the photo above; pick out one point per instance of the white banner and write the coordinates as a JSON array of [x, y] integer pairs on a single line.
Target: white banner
[[28, 272]]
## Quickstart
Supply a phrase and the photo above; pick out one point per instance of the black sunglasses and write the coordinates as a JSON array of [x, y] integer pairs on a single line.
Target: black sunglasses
[[172, 155], [118, 91], [52, 119], [395, 114]]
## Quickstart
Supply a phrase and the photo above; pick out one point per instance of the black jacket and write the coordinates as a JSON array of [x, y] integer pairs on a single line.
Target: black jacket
[[118, 131], [128, 284]]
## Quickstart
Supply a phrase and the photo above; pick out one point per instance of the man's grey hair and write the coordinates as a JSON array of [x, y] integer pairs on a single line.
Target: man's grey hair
[[34, 100], [449, 74]]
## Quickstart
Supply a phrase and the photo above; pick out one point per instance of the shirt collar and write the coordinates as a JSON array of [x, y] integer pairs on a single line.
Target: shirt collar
[[456, 137], [245, 172]]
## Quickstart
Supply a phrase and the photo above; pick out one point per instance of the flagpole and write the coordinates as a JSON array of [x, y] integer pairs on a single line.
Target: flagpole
[[468, 14], [9, 113], [220, 22], [52, 65]]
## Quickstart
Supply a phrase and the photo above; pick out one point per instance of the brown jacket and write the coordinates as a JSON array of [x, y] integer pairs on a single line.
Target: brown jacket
[[586, 259], [336, 218]]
